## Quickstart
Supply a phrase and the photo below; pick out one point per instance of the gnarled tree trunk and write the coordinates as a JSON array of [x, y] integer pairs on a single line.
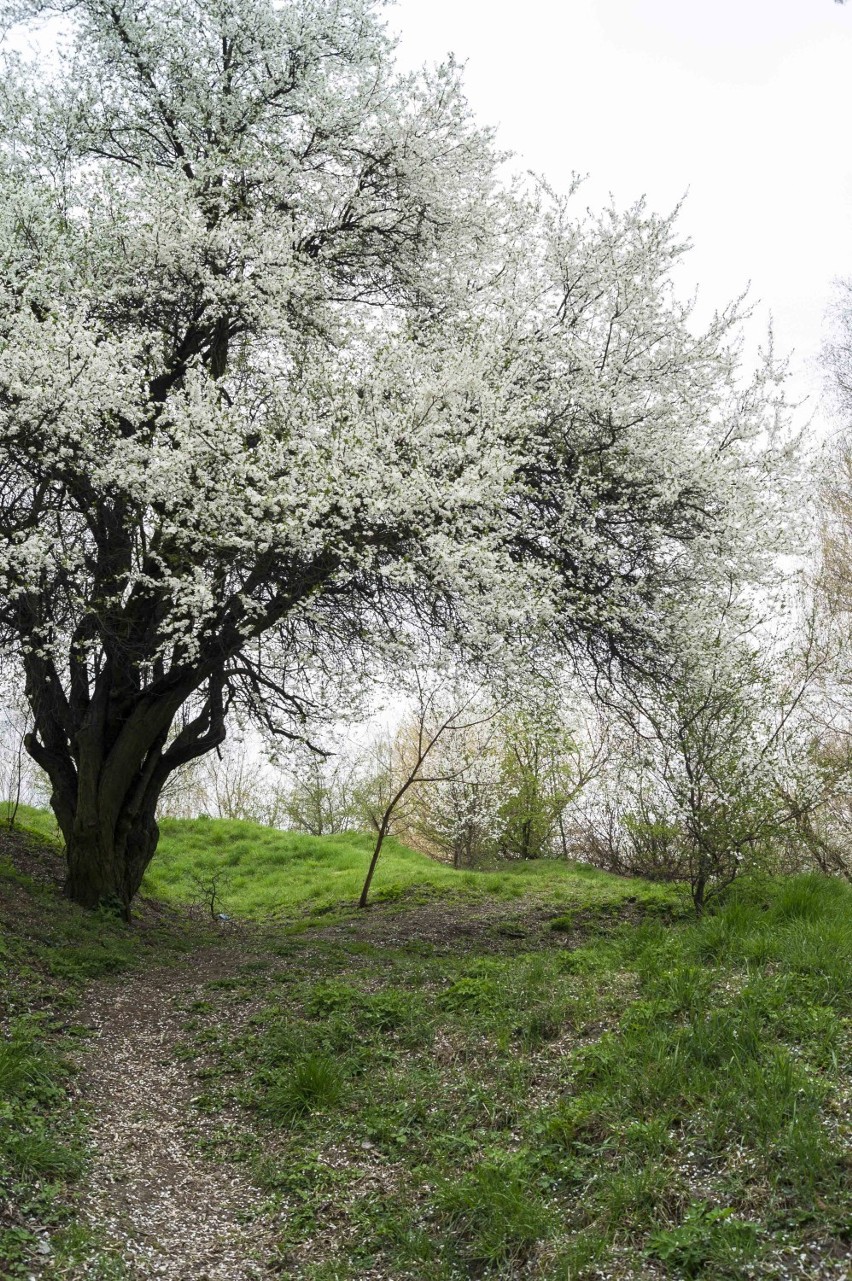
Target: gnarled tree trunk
[[106, 865], [108, 767]]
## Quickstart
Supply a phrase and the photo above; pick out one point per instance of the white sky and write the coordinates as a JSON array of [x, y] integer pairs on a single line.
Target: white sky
[[744, 104]]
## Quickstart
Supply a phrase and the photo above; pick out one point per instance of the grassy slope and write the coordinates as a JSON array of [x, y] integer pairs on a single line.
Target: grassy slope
[[663, 1100], [541, 1099], [266, 873]]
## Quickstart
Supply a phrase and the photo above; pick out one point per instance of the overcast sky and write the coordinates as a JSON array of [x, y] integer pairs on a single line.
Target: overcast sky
[[744, 104]]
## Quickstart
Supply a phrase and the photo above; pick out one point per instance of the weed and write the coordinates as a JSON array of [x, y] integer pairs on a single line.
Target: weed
[[707, 1242], [471, 994], [20, 1069]]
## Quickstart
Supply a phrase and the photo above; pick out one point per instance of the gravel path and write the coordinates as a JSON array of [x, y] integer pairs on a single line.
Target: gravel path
[[165, 1207]]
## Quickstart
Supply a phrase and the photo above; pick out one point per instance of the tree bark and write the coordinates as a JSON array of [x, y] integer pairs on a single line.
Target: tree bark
[[362, 902], [105, 868], [108, 771]]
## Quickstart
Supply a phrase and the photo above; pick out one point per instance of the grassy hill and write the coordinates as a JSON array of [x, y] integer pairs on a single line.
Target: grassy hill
[[542, 1073], [264, 873]]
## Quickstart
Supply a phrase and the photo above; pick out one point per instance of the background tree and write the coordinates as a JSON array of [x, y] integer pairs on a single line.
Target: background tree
[[715, 772], [537, 781], [285, 378], [322, 798], [508, 784], [17, 781], [21, 780], [835, 562], [184, 793], [441, 711], [239, 783], [456, 817]]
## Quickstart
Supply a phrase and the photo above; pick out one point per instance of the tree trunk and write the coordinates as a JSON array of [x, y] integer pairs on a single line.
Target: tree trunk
[[105, 865], [362, 902], [108, 767], [699, 888]]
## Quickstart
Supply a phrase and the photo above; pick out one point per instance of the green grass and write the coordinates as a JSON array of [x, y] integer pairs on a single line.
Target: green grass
[[613, 1089], [668, 1094], [35, 822], [307, 1083], [267, 873]]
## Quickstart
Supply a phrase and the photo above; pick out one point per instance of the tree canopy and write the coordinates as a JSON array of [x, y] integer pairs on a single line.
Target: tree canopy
[[287, 373]]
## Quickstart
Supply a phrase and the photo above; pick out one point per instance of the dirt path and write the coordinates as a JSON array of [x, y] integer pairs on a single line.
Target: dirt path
[[165, 1207]]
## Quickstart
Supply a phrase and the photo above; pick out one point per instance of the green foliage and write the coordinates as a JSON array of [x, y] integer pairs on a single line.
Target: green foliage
[[495, 1212], [707, 1242], [330, 998], [536, 782], [477, 993]]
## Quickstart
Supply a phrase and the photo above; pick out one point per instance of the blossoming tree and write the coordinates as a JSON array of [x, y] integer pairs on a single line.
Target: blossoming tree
[[285, 372]]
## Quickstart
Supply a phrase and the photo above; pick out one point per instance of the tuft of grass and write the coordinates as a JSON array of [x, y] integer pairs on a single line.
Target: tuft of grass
[[495, 1213], [38, 1155], [20, 1070], [310, 1083]]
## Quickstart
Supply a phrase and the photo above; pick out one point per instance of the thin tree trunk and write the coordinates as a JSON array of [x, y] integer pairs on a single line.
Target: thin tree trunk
[[362, 902], [14, 804], [562, 837]]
